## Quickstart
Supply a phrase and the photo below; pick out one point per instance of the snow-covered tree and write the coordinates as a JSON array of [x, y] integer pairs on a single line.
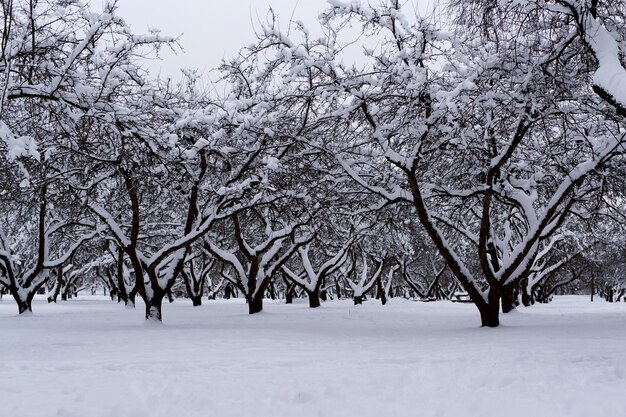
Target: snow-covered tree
[[493, 135], [38, 234], [314, 274], [258, 248]]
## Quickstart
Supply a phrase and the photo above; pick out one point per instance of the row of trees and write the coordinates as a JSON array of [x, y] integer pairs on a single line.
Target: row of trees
[[601, 275], [487, 155]]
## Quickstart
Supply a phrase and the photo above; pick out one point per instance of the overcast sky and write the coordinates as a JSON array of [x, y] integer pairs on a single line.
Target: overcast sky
[[212, 29]]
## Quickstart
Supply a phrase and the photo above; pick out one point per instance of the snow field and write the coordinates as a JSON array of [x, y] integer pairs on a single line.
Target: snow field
[[91, 357]]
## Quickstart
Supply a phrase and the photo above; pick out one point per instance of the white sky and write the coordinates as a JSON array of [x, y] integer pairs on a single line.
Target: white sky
[[212, 29]]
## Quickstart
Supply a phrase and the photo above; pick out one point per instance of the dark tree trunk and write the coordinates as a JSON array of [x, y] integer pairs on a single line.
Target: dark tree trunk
[[358, 299], [289, 289], [509, 299], [255, 304], [121, 283], [527, 298], [314, 298], [526, 293], [541, 295], [154, 308], [196, 300], [380, 292], [193, 287], [489, 317], [24, 306], [490, 311], [68, 290], [272, 291], [130, 298], [57, 286], [228, 292], [338, 289]]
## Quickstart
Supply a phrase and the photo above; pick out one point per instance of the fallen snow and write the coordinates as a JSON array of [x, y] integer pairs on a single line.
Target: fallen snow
[[91, 357]]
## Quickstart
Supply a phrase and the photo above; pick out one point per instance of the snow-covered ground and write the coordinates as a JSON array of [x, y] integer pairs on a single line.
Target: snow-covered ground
[[91, 357]]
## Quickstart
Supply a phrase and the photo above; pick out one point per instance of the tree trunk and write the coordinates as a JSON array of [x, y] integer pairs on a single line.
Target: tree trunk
[[121, 282], [24, 306], [358, 299], [193, 287], [272, 291], [67, 291], [24, 297], [129, 301], [255, 303], [196, 299], [314, 298], [228, 292], [527, 298], [509, 299], [489, 317], [380, 291], [154, 308], [490, 311], [289, 289], [57, 287]]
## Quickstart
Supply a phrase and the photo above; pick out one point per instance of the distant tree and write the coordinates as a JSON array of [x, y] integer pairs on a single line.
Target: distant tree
[[257, 250]]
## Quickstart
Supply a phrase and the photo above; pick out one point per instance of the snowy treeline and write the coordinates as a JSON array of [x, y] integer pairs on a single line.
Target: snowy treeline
[[481, 160]]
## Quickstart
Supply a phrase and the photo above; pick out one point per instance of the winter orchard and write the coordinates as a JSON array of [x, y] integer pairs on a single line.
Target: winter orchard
[[481, 160]]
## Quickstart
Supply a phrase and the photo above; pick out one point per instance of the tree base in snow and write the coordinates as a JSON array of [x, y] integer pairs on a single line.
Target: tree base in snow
[[255, 305], [314, 299]]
